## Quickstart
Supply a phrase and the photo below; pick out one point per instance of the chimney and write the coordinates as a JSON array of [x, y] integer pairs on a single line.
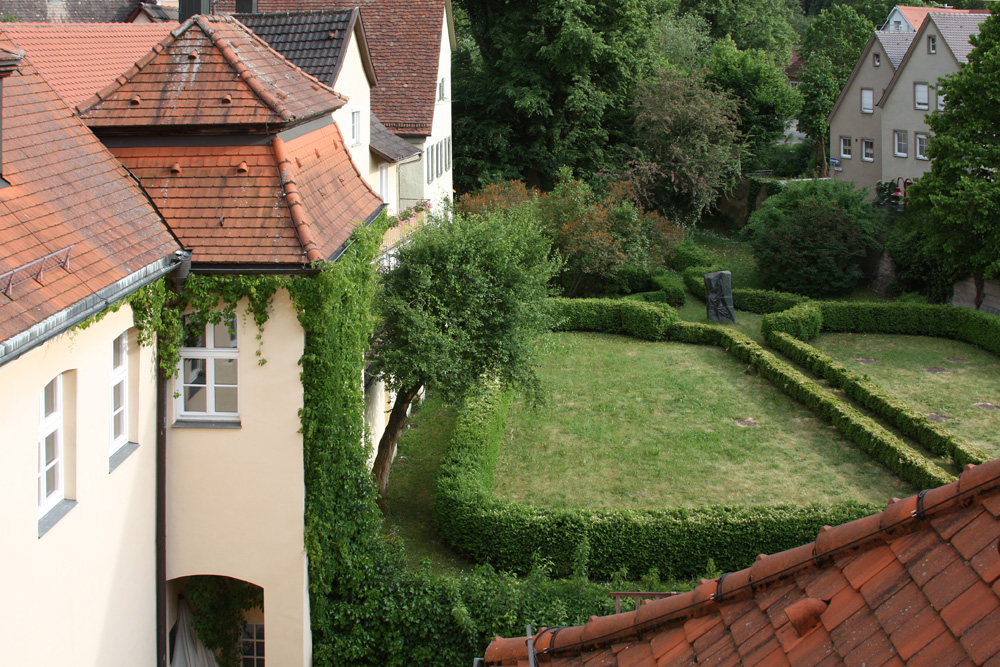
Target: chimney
[[10, 61], [188, 8]]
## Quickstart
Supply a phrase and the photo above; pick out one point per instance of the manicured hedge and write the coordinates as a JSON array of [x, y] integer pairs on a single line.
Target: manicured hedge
[[872, 397], [647, 321], [803, 321], [678, 542]]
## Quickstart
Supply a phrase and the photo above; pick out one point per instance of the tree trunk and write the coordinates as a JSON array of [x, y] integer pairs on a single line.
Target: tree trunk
[[980, 289], [390, 438]]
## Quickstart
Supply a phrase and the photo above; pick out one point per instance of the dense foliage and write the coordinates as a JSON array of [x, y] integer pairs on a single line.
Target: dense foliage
[[811, 238], [955, 204]]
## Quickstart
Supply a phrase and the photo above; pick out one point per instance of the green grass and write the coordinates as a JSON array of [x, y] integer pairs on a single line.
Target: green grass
[[901, 370], [736, 255], [411, 487], [694, 310], [651, 425]]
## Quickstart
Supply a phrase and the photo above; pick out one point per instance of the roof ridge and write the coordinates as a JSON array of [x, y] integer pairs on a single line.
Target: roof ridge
[[296, 208], [242, 71], [900, 517]]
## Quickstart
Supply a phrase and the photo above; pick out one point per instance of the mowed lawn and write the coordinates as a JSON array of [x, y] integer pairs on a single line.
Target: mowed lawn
[[935, 375], [635, 424]]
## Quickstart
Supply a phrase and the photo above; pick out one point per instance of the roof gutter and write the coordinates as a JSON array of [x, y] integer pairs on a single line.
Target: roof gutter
[[66, 319], [367, 223]]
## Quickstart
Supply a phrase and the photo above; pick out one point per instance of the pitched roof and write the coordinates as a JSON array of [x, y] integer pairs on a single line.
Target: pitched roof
[[956, 31], [154, 13], [210, 71], [71, 210], [315, 41], [78, 59], [405, 41], [895, 44], [916, 15], [83, 11], [387, 145], [915, 584]]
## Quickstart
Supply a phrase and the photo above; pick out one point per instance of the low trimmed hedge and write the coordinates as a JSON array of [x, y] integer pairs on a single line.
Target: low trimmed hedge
[[659, 296], [868, 394], [678, 542], [803, 321]]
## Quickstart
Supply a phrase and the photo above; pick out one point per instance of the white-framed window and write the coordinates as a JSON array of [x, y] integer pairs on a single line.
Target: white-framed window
[[931, 43], [383, 181], [447, 154], [429, 158], [868, 150], [252, 645], [876, 60], [920, 96], [897, 26], [920, 148], [51, 447], [867, 100], [439, 159], [845, 147], [119, 392], [940, 100], [356, 126], [899, 143], [442, 90], [209, 372]]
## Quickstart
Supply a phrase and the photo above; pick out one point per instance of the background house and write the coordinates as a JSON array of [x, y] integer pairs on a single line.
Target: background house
[[83, 11], [78, 405]]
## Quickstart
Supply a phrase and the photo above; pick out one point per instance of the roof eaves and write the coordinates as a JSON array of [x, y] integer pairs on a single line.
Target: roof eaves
[[356, 27]]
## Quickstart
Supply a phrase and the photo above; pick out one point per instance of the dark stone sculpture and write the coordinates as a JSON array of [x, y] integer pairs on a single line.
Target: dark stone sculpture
[[719, 296]]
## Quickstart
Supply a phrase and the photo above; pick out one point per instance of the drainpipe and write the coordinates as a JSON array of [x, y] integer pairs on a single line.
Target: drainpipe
[[177, 280]]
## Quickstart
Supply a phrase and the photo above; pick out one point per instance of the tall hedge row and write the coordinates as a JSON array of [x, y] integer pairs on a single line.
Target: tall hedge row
[[678, 542]]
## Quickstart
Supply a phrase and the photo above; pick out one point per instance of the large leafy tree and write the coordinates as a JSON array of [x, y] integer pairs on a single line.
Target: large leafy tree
[[465, 302], [765, 100], [957, 203], [546, 83], [764, 25]]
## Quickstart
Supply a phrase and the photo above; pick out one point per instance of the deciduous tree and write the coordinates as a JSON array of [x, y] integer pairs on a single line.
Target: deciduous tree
[[465, 301]]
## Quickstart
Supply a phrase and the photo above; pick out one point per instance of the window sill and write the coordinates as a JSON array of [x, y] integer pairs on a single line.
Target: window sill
[[899, 154], [923, 158], [206, 423], [54, 515], [119, 456], [867, 159], [845, 157]]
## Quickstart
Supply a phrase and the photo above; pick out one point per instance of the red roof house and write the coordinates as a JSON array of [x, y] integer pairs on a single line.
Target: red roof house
[[909, 19], [916, 584]]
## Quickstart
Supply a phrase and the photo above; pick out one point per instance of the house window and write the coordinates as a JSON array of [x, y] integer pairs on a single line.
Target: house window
[[940, 101], [383, 181], [899, 147], [920, 96], [897, 26], [867, 100], [931, 44], [209, 371], [246, 6], [429, 158], [119, 392], [51, 443], [868, 150], [442, 93], [439, 155], [876, 60], [921, 146], [356, 126], [252, 645], [845, 147], [447, 154]]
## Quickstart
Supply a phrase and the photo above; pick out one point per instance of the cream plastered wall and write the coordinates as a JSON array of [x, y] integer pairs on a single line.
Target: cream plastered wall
[[83, 593], [353, 83], [378, 403], [235, 496], [899, 112], [851, 122], [441, 187]]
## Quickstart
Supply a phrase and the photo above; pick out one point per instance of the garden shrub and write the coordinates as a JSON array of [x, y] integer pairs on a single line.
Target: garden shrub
[[811, 238], [803, 321], [659, 296], [688, 254], [628, 279], [872, 397], [672, 284], [647, 321]]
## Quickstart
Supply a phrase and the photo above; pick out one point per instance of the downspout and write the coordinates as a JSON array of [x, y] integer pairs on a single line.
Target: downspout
[[177, 280]]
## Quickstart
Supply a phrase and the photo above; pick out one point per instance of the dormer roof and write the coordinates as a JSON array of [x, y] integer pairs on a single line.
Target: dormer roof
[[211, 71], [915, 16]]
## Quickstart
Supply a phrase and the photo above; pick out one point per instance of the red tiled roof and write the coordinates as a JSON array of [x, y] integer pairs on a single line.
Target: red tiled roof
[[405, 41], [916, 15], [78, 59], [66, 190], [271, 203], [210, 71], [917, 584]]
